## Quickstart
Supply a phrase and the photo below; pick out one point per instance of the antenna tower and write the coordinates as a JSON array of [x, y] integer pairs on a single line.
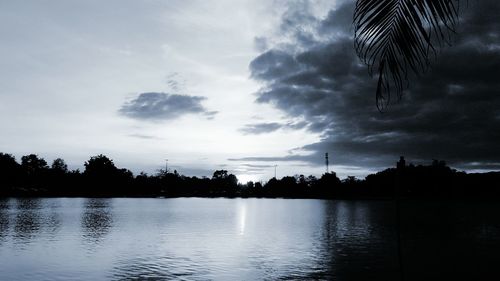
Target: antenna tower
[[326, 162]]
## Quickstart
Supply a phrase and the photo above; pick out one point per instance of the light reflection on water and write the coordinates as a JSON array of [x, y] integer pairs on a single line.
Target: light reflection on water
[[202, 239]]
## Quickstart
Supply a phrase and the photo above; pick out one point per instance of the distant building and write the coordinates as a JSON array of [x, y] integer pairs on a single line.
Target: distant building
[[401, 164]]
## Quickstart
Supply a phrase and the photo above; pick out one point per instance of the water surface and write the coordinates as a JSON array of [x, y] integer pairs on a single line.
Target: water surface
[[237, 239]]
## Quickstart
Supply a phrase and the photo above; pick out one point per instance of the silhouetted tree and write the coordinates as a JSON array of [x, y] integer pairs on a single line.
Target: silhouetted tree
[[59, 165], [32, 165], [105, 178], [223, 183], [9, 171], [220, 174], [99, 166], [102, 178], [35, 172], [327, 186], [7, 162]]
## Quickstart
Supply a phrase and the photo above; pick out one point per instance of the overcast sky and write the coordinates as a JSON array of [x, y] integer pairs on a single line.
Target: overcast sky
[[241, 85]]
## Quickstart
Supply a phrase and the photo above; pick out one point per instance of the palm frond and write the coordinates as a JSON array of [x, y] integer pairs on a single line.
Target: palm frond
[[394, 37]]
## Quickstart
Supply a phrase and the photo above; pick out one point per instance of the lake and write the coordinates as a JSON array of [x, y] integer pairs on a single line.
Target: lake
[[245, 239]]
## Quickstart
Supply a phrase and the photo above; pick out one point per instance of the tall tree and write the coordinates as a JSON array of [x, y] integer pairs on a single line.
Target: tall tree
[[100, 166], [59, 165], [9, 169], [32, 164]]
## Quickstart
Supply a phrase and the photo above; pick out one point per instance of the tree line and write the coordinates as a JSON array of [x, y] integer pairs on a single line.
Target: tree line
[[33, 177]]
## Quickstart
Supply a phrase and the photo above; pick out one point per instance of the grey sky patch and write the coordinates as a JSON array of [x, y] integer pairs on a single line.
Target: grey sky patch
[[273, 64], [260, 43], [253, 169], [287, 158], [257, 166], [176, 83], [163, 106], [263, 128], [249, 171], [146, 137], [481, 165], [450, 113], [210, 115], [296, 126], [190, 171], [260, 128]]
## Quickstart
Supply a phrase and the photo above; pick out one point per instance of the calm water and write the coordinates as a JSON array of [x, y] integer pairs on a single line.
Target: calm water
[[242, 239]]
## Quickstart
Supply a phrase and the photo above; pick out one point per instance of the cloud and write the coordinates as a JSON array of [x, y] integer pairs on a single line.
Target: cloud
[[260, 43], [449, 113], [263, 128], [272, 158], [176, 83], [252, 169], [163, 106], [260, 128], [146, 137], [257, 166]]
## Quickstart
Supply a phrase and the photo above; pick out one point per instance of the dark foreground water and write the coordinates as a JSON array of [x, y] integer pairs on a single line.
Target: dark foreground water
[[245, 239]]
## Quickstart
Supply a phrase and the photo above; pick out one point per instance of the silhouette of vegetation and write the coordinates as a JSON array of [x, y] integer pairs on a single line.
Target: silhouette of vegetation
[[101, 178]]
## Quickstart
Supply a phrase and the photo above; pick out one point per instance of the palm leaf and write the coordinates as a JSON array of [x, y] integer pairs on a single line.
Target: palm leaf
[[394, 37]]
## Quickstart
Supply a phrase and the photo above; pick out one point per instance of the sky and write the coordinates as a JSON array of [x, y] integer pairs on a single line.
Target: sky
[[240, 85]]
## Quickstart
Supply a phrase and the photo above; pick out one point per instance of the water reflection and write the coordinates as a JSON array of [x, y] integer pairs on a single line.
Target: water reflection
[[360, 241], [452, 240], [27, 219], [52, 218], [352, 241], [242, 216], [97, 219], [4, 218]]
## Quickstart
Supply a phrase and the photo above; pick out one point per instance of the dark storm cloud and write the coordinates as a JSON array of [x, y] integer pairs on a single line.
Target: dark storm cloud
[[450, 113], [162, 106]]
